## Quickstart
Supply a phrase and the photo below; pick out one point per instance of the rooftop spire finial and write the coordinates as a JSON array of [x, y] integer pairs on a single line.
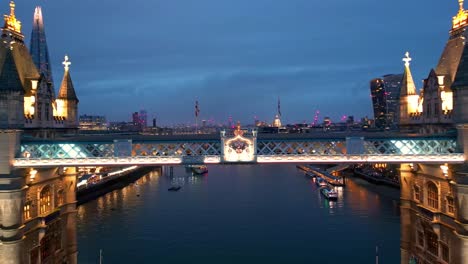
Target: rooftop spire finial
[[11, 22], [66, 63], [461, 18], [12, 8], [407, 59]]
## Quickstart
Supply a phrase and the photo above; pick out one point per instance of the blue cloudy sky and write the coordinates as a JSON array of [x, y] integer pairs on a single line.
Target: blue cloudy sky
[[236, 56]]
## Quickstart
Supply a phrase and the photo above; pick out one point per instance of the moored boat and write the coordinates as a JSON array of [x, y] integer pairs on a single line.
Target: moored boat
[[174, 188], [202, 169], [330, 194], [321, 182]]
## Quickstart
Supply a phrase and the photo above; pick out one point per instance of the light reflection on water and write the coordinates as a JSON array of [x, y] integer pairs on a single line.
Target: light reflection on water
[[239, 214]]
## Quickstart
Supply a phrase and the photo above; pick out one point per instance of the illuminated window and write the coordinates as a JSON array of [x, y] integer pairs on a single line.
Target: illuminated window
[[450, 205], [444, 249], [432, 195], [45, 200], [27, 210], [417, 193], [432, 243]]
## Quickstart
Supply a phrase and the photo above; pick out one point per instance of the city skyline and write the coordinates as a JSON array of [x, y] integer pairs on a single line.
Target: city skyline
[[165, 57]]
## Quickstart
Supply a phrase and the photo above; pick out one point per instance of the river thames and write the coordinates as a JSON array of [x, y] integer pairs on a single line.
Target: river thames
[[240, 214]]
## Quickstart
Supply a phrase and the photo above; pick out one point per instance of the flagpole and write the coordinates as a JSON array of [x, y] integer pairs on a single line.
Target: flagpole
[[197, 110]]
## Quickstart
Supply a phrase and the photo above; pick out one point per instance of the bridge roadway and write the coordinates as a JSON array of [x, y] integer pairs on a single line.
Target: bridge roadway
[[329, 147]]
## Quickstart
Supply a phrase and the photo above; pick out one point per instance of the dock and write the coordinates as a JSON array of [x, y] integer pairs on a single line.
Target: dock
[[333, 180]]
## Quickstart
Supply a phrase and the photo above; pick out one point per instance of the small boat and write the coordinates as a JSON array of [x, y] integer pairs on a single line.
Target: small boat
[[330, 194], [321, 182], [174, 188], [199, 170]]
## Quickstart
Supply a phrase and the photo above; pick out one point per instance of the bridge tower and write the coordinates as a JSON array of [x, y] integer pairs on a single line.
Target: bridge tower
[[37, 206], [434, 197], [11, 121]]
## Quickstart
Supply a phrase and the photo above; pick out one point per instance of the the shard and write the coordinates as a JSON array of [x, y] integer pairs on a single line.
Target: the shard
[[38, 47]]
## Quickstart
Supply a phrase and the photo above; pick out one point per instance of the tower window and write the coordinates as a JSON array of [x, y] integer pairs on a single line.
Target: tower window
[[421, 238], [432, 243], [450, 205], [445, 252], [417, 193], [45, 200], [432, 195], [27, 210]]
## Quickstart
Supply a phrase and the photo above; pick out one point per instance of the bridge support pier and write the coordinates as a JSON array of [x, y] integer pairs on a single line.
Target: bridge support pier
[[11, 201], [68, 213], [406, 182]]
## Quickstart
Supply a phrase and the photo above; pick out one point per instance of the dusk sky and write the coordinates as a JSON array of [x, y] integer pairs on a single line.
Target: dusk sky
[[236, 56]]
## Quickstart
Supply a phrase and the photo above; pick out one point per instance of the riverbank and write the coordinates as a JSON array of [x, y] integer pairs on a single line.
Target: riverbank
[[94, 191]]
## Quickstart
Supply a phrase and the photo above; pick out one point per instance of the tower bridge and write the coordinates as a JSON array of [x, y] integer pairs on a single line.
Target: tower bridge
[[38, 165]]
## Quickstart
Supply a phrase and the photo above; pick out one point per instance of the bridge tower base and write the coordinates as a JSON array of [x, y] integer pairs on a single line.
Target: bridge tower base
[[11, 200]]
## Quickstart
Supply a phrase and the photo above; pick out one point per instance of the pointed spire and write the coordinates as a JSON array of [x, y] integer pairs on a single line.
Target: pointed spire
[[279, 107], [67, 91], [38, 47], [407, 85], [11, 23]]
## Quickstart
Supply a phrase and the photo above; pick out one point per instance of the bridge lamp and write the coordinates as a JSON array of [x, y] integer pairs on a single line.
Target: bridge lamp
[[413, 167], [444, 169], [32, 175], [27, 154]]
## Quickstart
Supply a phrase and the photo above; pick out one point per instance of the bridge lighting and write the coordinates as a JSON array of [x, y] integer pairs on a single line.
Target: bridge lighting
[[32, 175], [444, 169]]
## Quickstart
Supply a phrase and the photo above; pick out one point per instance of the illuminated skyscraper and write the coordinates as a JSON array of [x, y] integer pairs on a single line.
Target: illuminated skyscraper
[[385, 93], [38, 47]]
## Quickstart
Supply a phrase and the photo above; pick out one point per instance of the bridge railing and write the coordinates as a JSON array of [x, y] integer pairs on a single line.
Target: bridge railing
[[402, 146]]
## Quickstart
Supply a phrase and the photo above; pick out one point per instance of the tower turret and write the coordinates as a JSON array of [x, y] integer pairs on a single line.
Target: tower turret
[[409, 99], [12, 27], [67, 101]]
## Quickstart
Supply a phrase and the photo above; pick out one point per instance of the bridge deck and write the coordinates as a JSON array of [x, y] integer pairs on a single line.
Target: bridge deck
[[269, 148]]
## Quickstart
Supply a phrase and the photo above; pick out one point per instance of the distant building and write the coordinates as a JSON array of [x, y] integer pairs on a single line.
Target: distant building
[[277, 121], [92, 122], [385, 93], [135, 118], [327, 123], [143, 119]]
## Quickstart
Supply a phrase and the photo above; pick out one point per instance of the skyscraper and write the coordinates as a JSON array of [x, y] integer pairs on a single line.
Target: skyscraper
[[38, 47], [385, 93]]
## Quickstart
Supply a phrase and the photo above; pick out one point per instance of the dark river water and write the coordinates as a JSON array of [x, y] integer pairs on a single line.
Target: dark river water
[[240, 214]]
